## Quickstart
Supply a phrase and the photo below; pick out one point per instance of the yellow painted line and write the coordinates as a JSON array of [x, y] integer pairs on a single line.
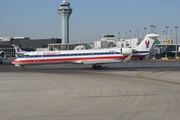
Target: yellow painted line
[[147, 78], [164, 58]]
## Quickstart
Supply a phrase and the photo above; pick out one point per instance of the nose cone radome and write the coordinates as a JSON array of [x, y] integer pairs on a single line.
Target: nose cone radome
[[15, 61]]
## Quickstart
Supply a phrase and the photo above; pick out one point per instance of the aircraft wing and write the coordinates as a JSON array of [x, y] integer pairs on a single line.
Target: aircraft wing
[[104, 61], [128, 58]]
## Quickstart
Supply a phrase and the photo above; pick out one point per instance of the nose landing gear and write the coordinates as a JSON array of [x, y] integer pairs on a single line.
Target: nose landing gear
[[22, 68]]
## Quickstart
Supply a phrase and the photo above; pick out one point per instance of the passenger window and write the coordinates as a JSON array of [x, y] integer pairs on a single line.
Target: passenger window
[[26, 56]]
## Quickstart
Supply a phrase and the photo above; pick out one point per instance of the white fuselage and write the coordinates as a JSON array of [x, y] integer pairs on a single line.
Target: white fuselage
[[92, 56]]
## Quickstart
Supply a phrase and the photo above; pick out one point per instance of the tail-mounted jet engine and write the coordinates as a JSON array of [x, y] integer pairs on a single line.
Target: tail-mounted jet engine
[[127, 51]]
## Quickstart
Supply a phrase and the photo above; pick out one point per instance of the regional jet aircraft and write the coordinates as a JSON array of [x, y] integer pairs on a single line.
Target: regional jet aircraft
[[94, 57]]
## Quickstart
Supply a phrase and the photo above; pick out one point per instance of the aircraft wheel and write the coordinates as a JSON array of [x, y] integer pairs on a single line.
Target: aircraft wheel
[[141, 58], [94, 66], [23, 68], [99, 67]]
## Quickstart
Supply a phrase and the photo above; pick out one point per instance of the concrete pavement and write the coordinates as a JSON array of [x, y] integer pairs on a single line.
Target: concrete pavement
[[73, 92]]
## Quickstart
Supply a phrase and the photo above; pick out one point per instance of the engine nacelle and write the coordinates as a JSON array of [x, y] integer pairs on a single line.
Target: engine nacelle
[[2, 53], [126, 51]]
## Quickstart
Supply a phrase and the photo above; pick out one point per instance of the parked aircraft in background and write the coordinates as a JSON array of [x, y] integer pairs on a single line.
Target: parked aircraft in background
[[94, 57], [2, 56]]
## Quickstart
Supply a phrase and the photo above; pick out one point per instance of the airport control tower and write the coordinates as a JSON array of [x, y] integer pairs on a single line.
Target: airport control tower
[[65, 11]]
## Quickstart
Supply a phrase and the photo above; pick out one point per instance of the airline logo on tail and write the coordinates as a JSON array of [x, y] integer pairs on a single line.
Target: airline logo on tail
[[18, 49], [147, 42]]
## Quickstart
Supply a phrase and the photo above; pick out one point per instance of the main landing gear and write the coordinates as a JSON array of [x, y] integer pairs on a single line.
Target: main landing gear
[[97, 66]]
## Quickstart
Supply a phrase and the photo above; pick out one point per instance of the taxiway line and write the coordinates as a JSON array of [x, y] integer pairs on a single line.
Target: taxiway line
[[147, 78]]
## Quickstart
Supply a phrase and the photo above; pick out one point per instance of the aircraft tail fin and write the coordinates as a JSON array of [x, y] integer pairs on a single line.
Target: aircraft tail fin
[[17, 48], [147, 42]]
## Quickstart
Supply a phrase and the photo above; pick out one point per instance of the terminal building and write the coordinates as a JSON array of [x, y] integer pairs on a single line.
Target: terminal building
[[158, 50], [25, 43], [106, 41]]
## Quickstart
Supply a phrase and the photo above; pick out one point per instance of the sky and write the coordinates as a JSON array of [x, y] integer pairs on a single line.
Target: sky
[[39, 19]]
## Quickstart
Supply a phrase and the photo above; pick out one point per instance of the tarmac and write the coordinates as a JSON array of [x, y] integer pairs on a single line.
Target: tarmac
[[136, 90]]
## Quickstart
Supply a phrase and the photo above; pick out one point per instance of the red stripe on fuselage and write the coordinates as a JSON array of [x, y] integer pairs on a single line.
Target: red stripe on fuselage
[[29, 60]]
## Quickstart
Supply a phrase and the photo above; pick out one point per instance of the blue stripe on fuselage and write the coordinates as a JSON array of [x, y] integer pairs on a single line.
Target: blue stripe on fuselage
[[71, 54], [76, 54]]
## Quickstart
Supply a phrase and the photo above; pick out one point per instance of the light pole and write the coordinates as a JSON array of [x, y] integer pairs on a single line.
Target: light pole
[[171, 34], [144, 30], [154, 29], [119, 36], [163, 32], [137, 33], [126, 38], [126, 35], [130, 36], [151, 28], [176, 40], [142, 35], [166, 40]]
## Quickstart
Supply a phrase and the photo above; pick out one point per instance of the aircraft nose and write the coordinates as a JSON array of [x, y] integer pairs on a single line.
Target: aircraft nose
[[14, 61]]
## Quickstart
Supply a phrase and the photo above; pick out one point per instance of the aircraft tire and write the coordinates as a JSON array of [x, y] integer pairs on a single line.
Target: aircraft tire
[[94, 66], [23, 68], [99, 67], [141, 58]]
